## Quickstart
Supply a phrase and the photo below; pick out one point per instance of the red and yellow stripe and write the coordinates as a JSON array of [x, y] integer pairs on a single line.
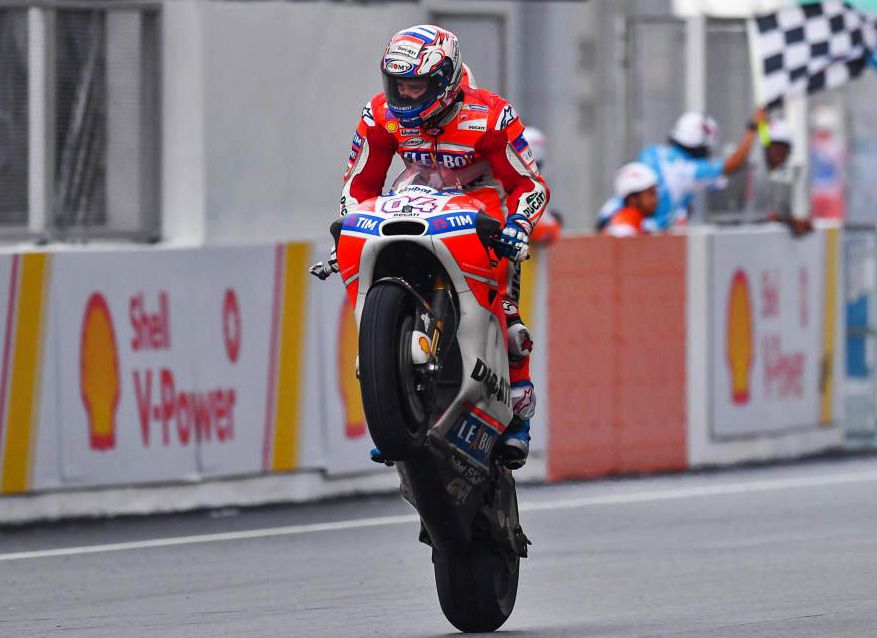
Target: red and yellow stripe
[[527, 302], [829, 327], [21, 371], [283, 414]]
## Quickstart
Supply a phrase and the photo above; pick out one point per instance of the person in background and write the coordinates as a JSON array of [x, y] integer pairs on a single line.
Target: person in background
[[828, 156], [774, 179], [550, 225], [636, 185], [684, 166]]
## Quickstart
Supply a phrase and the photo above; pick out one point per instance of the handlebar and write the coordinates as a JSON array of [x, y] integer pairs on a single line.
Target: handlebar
[[487, 228]]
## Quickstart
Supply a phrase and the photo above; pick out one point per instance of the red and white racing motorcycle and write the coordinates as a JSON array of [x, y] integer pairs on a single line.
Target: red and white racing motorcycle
[[421, 271]]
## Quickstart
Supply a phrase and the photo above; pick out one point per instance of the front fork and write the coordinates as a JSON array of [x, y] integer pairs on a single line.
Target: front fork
[[427, 335]]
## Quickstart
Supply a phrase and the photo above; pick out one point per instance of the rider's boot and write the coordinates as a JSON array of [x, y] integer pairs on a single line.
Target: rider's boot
[[378, 457], [514, 444]]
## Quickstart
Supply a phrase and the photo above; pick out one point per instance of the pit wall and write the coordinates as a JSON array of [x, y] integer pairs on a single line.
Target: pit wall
[[131, 380]]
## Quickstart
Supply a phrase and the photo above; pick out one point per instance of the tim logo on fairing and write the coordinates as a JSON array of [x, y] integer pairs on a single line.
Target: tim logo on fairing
[[362, 224], [451, 222]]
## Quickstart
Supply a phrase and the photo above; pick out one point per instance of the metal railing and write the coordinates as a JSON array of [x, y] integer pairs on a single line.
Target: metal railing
[[79, 91]]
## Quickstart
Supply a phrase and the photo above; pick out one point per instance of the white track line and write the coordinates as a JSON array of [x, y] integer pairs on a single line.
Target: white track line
[[575, 503]]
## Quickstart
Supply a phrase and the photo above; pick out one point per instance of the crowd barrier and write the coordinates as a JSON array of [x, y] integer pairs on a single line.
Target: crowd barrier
[[161, 366], [710, 348]]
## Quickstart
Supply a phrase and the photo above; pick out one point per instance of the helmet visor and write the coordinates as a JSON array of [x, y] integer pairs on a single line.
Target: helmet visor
[[412, 95]]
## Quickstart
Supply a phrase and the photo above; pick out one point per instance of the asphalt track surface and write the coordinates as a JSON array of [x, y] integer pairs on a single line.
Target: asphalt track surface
[[779, 551]]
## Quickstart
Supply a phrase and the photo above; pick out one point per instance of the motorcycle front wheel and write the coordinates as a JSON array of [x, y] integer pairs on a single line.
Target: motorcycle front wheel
[[477, 586], [394, 408]]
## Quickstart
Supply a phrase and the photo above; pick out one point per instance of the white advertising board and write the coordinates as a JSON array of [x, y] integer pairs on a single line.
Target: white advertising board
[[162, 363], [123, 330], [232, 301], [769, 349]]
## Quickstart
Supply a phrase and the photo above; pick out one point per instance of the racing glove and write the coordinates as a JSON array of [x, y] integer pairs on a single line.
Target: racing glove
[[514, 240], [324, 270]]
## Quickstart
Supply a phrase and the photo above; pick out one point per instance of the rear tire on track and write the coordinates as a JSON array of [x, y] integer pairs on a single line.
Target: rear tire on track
[[477, 587], [396, 416]]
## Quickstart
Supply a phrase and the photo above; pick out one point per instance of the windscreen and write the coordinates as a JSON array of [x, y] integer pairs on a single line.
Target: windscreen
[[438, 178]]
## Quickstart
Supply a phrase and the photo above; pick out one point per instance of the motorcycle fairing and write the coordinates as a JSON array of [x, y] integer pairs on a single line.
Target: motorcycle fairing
[[450, 233], [457, 230]]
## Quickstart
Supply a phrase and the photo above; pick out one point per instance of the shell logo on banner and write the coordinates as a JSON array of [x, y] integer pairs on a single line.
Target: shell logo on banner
[[348, 384], [99, 377], [739, 344]]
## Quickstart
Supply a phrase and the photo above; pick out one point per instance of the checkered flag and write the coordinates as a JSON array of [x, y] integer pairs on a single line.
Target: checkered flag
[[808, 48]]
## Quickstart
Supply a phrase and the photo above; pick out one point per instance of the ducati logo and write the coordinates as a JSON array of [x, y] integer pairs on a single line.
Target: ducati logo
[[496, 386]]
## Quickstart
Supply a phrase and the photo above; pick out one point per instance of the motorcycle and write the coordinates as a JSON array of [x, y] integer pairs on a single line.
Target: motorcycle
[[420, 269]]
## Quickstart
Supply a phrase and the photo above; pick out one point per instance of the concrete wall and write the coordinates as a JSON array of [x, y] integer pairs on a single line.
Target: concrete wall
[[260, 102]]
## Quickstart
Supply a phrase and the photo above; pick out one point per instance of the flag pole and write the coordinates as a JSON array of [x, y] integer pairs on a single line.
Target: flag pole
[[757, 78]]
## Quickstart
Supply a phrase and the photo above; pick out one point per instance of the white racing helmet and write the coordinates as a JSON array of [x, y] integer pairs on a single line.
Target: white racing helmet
[[696, 131], [634, 177], [422, 52], [536, 140]]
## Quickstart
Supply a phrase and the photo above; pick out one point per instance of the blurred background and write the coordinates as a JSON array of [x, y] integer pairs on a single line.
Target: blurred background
[[168, 172], [193, 121]]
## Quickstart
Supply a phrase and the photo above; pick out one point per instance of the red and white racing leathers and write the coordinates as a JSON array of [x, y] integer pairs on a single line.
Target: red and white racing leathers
[[481, 138]]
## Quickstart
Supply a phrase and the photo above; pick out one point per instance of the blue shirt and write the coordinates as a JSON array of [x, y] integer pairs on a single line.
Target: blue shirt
[[680, 176]]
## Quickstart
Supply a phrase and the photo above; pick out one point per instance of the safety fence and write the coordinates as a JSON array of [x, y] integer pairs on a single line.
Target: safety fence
[[161, 366]]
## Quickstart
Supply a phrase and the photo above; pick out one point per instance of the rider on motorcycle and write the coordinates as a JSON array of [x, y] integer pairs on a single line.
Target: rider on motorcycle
[[429, 116]]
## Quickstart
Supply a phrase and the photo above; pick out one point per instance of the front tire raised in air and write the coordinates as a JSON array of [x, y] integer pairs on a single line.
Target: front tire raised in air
[[394, 410]]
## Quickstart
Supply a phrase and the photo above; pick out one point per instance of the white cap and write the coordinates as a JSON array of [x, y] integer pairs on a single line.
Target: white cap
[[780, 131], [634, 178], [694, 129], [536, 139]]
